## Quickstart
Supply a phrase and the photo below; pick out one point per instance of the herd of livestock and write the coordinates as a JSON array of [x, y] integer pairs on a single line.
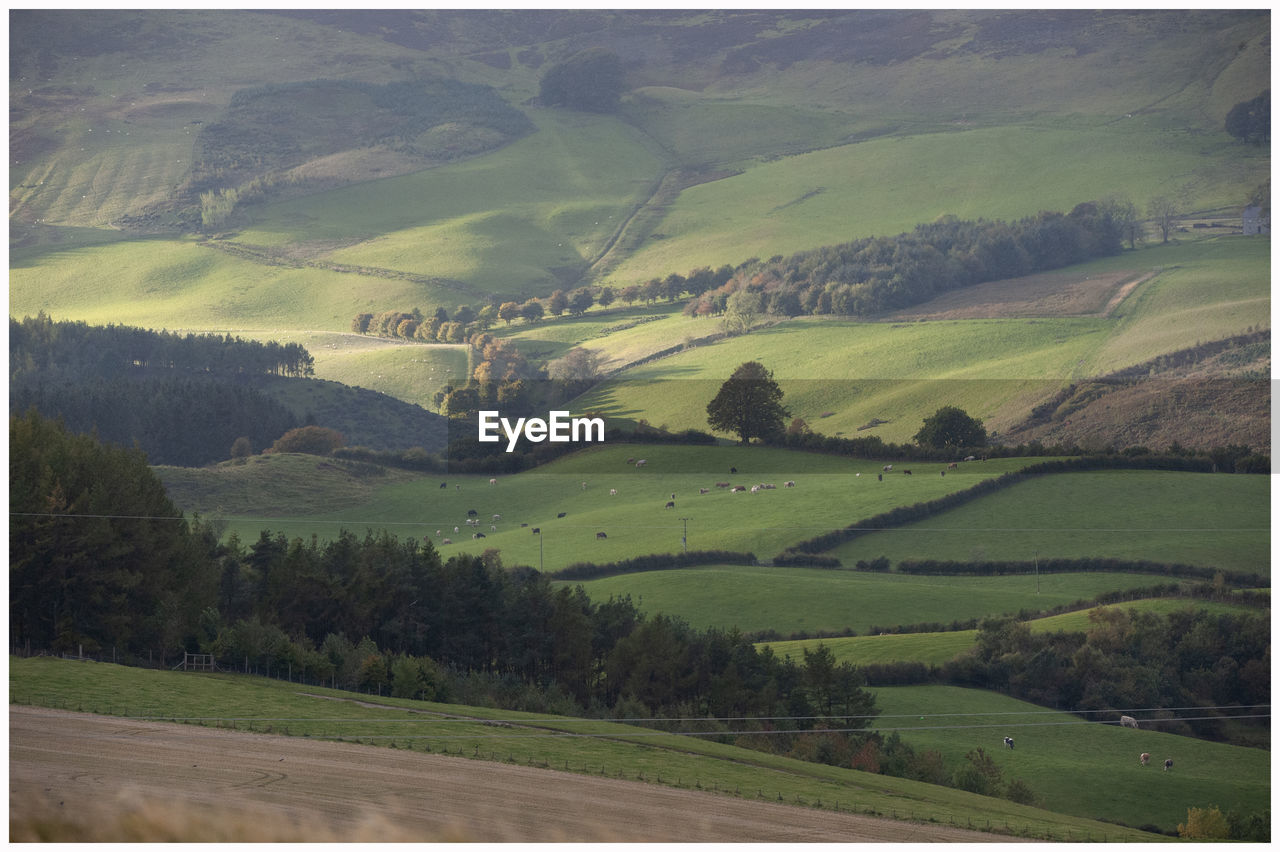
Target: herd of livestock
[[670, 504]]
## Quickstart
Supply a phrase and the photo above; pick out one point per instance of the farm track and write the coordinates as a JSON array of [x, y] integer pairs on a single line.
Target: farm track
[[76, 766]]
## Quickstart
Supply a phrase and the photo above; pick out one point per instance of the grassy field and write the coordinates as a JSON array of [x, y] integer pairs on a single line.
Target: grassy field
[[996, 369], [1198, 519], [938, 648], [830, 492], [1077, 767], [793, 600], [889, 185], [274, 706]]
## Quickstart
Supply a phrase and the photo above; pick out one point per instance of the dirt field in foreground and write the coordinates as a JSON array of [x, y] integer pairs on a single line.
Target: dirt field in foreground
[[75, 776]]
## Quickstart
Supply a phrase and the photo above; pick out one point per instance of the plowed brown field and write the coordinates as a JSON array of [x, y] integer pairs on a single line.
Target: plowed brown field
[[75, 776]]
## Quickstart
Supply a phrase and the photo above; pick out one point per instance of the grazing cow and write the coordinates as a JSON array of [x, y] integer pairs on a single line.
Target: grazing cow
[[438, 532], [447, 541], [561, 514], [887, 468], [601, 535], [584, 486], [879, 477], [733, 470], [642, 462], [970, 458], [522, 526], [671, 504], [613, 492], [471, 513], [497, 517], [906, 473], [631, 461], [703, 490], [493, 482], [1128, 722], [537, 530], [455, 529], [1144, 758], [722, 485], [444, 485], [1168, 764], [953, 466], [790, 483], [1008, 742], [493, 527], [771, 486], [477, 535], [738, 488], [942, 473], [755, 489], [459, 487]]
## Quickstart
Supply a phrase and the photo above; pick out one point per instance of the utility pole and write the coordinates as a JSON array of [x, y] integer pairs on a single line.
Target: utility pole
[[684, 538]]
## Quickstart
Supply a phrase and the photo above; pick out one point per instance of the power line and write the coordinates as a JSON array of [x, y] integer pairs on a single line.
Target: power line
[[723, 719], [753, 528], [553, 734]]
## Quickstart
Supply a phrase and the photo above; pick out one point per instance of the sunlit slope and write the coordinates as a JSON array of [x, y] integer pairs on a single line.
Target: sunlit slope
[[889, 185], [503, 223], [858, 372], [839, 375], [183, 283]]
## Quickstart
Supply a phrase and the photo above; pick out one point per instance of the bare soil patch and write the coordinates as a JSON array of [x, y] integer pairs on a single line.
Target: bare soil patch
[[75, 776], [1049, 294]]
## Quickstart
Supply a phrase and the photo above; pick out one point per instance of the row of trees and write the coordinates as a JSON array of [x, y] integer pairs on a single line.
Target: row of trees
[[1129, 658], [100, 558], [40, 345], [876, 274], [183, 399], [467, 321]]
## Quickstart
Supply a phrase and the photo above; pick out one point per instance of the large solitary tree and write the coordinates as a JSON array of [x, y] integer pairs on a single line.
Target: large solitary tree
[[951, 427], [749, 403]]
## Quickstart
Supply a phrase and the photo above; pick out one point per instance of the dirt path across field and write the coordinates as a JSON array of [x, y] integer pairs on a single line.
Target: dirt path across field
[[111, 774]]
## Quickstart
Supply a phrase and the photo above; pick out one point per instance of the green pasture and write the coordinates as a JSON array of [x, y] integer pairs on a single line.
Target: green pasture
[[795, 600], [621, 751], [888, 185], [182, 283], [621, 335], [857, 372], [1082, 766], [839, 375], [502, 222], [938, 648], [830, 492], [1217, 520], [1206, 290]]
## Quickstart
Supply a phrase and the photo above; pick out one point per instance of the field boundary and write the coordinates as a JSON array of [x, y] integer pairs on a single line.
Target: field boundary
[[903, 515]]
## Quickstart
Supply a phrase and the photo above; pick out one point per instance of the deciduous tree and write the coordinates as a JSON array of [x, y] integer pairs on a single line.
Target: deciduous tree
[[750, 404]]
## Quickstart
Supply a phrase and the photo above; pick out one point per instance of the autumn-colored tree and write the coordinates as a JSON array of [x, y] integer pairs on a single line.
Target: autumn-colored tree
[[316, 440], [508, 311]]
